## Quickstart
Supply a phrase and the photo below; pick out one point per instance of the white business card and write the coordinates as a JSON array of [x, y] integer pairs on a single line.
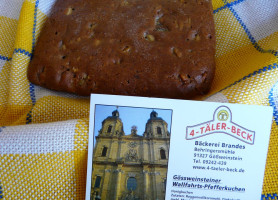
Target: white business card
[[153, 148]]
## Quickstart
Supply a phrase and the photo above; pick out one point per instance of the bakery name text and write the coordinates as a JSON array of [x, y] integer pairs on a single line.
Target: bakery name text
[[221, 123]]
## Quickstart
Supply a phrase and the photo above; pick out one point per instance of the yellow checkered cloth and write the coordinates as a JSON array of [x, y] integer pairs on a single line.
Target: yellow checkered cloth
[[44, 134]]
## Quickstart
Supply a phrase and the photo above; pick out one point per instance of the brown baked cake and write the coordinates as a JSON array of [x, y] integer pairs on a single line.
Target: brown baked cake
[[156, 48]]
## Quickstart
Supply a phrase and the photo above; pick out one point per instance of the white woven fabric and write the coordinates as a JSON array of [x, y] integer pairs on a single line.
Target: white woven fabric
[[10, 8], [2, 63], [45, 6], [261, 18], [52, 137]]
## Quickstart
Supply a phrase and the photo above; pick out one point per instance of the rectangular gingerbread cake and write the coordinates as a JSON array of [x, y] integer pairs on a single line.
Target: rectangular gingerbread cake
[[155, 48]]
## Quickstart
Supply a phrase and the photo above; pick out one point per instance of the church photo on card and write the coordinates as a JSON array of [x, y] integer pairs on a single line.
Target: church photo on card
[[130, 152]]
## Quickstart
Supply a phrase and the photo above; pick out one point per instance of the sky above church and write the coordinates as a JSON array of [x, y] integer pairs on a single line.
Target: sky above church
[[130, 116]]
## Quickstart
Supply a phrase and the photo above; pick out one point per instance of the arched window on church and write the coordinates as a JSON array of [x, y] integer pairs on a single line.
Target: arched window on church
[[109, 129], [159, 130], [131, 184], [104, 151], [162, 154]]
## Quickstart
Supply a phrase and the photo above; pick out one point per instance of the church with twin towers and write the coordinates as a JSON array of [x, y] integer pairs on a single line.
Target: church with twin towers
[[130, 166]]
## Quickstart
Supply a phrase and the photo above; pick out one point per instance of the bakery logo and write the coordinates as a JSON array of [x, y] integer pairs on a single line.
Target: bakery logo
[[221, 123]]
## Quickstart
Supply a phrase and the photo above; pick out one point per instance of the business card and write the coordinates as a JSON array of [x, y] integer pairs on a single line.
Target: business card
[[154, 148]]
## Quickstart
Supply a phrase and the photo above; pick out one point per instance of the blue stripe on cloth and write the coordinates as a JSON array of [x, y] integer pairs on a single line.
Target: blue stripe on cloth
[[1, 191], [23, 51], [272, 102], [29, 117], [33, 98], [35, 24], [252, 39], [269, 196], [264, 69], [5, 58], [227, 5], [32, 92], [31, 86]]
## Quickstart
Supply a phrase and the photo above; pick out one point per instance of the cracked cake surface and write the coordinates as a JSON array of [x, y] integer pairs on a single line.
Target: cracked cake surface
[[155, 48]]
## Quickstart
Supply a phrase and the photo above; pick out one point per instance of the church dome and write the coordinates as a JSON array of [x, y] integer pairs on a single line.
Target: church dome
[[156, 126], [115, 113], [154, 116], [112, 125]]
